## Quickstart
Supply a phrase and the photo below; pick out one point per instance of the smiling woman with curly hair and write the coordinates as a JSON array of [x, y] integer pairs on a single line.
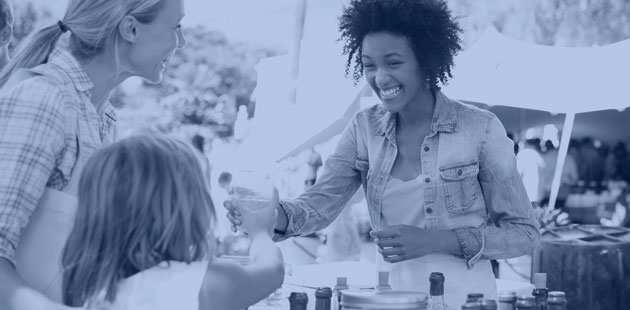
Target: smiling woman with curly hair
[[439, 176], [432, 33]]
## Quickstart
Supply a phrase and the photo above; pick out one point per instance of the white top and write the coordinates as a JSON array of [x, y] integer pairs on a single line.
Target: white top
[[162, 288], [403, 202], [403, 205]]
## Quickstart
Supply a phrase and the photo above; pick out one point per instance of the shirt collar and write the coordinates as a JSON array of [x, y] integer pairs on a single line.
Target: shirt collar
[[70, 65], [444, 117]]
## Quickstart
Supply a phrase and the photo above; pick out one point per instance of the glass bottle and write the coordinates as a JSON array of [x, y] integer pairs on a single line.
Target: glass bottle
[[436, 292], [342, 284], [322, 298], [556, 301], [474, 305], [383, 281], [525, 303], [540, 291], [507, 300], [471, 306], [489, 304]]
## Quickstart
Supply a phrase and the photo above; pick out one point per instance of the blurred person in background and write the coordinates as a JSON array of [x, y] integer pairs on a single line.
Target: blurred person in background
[[54, 114], [591, 166], [531, 166], [617, 166], [6, 31], [569, 175], [433, 170], [313, 163]]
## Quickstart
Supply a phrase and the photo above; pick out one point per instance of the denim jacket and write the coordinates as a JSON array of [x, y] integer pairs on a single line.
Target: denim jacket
[[472, 185]]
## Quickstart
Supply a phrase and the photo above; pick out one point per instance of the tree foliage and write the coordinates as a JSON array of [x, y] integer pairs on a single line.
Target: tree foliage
[[26, 17], [206, 81], [549, 22]]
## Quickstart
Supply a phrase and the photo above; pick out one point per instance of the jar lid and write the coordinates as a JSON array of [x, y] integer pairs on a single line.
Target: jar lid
[[385, 300], [556, 294]]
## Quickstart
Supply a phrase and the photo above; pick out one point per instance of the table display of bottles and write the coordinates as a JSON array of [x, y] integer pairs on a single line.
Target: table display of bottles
[[382, 297]]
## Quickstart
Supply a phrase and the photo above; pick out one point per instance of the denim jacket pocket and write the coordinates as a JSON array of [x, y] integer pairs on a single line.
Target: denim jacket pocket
[[459, 182]]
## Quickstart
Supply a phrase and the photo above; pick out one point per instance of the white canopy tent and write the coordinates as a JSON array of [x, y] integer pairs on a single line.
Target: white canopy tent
[[498, 70]]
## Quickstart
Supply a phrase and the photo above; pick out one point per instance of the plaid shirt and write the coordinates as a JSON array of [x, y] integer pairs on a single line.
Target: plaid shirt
[[45, 120]]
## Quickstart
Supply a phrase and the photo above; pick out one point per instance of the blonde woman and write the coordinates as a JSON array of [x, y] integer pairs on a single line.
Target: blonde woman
[[142, 229], [54, 114]]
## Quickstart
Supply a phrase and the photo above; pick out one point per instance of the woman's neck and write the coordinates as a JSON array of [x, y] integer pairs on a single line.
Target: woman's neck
[[418, 114], [104, 75]]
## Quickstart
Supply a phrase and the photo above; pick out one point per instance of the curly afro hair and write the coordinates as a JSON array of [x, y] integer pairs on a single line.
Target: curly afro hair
[[428, 25]]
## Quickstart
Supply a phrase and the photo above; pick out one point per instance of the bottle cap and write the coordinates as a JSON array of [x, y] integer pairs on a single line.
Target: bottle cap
[[526, 301], [540, 280], [383, 278], [323, 292], [436, 276], [298, 298], [507, 294], [341, 281], [474, 296], [436, 279]]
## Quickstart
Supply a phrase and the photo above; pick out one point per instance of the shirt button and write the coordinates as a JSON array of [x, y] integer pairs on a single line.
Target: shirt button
[[459, 172], [429, 210], [427, 180], [426, 148]]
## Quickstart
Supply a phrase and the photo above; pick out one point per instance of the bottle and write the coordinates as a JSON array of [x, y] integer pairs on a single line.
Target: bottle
[[557, 301], [436, 292], [383, 281], [472, 297], [507, 300], [525, 303], [540, 291], [342, 284], [298, 301], [489, 304], [471, 306], [322, 298]]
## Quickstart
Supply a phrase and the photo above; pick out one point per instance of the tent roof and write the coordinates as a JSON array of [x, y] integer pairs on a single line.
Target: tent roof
[[498, 70]]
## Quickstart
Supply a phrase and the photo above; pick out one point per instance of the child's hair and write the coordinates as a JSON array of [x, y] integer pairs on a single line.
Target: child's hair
[[428, 25], [93, 27], [142, 201]]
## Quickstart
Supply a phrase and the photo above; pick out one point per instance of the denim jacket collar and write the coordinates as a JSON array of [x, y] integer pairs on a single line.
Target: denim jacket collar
[[444, 117]]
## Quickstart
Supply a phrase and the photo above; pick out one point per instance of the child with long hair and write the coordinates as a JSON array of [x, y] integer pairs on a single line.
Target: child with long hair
[[142, 236]]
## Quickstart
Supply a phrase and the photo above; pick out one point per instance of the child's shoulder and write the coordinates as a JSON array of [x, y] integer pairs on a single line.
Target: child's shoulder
[[170, 285]]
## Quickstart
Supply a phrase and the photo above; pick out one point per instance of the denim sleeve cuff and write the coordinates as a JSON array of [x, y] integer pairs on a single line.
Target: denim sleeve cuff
[[297, 219], [7, 251], [472, 242]]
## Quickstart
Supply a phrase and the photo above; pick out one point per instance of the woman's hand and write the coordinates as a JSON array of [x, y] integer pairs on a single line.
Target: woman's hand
[[253, 220], [403, 242]]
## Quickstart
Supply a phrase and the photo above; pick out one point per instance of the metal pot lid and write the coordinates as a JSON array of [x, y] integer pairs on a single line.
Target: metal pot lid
[[384, 299]]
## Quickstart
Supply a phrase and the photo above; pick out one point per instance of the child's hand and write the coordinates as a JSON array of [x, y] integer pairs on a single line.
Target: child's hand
[[254, 220]]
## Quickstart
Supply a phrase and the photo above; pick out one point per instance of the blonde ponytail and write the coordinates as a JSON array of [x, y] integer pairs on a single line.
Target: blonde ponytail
[[33, 51]]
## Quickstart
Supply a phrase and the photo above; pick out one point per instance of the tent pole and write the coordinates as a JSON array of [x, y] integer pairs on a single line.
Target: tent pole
[[562, 155]]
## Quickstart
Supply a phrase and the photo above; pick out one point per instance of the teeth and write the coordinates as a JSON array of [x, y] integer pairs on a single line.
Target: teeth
[[390, 92]]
